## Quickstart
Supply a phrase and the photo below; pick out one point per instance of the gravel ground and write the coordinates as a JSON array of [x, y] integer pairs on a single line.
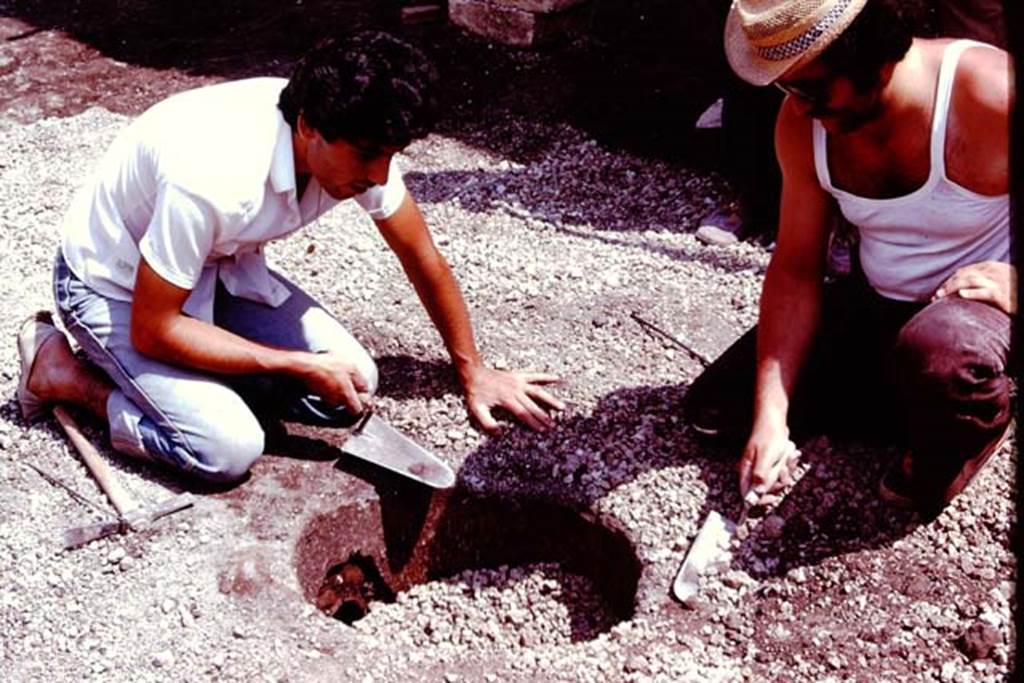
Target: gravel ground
[[555, 249]]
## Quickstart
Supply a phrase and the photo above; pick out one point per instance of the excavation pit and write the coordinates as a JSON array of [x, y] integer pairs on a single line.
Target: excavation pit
[[480, 571]]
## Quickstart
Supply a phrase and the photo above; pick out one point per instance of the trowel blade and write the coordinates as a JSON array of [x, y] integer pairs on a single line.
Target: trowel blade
[[709, 547], [381, 444]]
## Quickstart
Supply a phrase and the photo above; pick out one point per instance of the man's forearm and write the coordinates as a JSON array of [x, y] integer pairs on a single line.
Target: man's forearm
[[187, 342], [790, 310], [439, 292]]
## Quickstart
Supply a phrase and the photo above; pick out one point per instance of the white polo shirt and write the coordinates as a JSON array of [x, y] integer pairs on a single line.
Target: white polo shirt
[[197, 185]]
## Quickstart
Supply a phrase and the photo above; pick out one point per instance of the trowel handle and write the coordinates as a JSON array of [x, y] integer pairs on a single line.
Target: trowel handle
[[99, 468]]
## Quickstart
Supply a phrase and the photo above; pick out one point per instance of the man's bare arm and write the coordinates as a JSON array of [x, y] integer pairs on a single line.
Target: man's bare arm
[[161, 331], [982, 101], [406, 233], [978, 152], [790, 300]]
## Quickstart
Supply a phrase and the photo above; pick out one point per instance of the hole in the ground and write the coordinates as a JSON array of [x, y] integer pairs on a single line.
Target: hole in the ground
[[478, 571], [350, 587]]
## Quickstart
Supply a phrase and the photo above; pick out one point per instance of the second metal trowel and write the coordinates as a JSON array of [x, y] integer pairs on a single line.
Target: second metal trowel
[[711, 549]]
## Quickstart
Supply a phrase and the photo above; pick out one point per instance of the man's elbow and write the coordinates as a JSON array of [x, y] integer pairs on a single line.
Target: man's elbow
[[145, 338], [788, 280]]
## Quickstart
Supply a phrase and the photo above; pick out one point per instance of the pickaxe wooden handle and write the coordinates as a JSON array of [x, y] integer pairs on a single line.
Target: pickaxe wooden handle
[[99, 468]]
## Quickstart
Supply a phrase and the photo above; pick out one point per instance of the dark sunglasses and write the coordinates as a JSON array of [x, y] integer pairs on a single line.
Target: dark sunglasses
[[814, 92]]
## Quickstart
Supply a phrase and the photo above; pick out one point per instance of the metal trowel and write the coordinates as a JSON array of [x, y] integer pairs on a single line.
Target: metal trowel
[[375, 441], [711, 548]]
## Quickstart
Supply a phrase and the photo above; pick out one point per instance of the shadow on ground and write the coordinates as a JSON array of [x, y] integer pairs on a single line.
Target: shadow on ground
[[576, 201], [645, 423], [630, 433]]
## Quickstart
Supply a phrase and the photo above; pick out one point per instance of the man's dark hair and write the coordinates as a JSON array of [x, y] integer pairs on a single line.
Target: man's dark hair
[[367, 86], [880, 34]]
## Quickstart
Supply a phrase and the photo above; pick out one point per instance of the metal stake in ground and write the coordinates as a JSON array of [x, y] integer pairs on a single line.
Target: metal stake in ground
[[130, 516], [651, 327]]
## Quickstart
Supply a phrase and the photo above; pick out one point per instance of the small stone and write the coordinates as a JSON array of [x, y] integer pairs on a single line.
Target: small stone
[[772, 526], [451, 678], [736, 579], [126, 564], [714, 235], [168, 606], [733, 621], [989, 617], [239, 632], [116, 555], [967, 609], [798, 575], [917, 587], [980, 639], [163, 659], [636, 664]]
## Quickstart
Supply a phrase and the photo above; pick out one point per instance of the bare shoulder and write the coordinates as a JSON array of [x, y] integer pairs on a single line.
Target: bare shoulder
[[794, 143], [978, 152], [983, 79], [805, 207]]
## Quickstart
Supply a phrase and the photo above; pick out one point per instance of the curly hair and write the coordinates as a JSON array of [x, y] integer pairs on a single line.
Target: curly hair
[[366, 86], [880, 34]]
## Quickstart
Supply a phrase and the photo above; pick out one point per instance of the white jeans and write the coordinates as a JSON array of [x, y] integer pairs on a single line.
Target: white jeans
[[197, 422]]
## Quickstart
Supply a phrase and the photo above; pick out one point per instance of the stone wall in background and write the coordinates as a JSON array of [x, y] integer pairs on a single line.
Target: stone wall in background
[[525, 23]]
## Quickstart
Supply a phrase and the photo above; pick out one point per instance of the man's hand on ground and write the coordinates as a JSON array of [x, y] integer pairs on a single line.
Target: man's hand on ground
[[335, 380], [519, 393], [768, 463], [991, 282]]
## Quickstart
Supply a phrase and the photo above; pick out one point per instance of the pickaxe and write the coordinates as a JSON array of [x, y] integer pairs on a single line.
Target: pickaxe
[[130, 517]]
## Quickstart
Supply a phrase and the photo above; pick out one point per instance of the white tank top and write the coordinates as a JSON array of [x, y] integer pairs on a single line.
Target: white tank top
[[909, 245]]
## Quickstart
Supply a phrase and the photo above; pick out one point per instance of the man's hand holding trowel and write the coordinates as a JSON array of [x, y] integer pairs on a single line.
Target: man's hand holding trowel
[[767, 466]]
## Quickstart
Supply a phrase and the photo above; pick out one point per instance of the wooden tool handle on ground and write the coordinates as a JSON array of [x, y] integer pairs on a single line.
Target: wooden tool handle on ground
[[94, 461]]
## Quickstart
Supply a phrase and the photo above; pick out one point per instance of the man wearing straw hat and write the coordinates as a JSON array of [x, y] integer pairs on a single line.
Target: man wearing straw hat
[[908, 139]]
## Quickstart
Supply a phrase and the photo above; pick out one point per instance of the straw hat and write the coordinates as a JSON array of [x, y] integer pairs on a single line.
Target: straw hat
[[766, 38]]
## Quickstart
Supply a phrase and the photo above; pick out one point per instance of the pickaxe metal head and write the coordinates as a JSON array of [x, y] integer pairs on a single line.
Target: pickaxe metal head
[[133, 520]]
